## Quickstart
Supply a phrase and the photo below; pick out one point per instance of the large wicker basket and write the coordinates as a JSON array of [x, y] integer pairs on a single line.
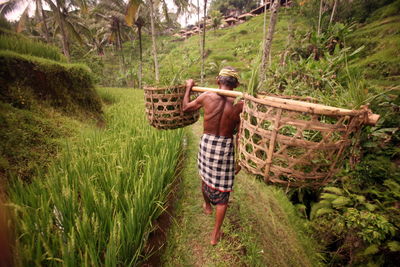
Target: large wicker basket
[[291, 143], [164, 108]]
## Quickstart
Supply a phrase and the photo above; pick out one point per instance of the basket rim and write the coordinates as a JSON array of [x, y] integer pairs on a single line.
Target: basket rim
[[301, 106]]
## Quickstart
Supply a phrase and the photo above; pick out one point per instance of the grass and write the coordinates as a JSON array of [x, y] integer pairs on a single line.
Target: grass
[[22, 45], [262, 228], [379, 60], [96, 204], [236, 46], [67, 87], [39, 102], [30, 138]]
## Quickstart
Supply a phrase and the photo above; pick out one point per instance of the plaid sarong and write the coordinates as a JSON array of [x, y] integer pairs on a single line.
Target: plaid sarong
[[216, 162]]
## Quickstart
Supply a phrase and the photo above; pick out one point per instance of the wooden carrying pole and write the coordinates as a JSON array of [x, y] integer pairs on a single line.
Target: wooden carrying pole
[[218, 91], [294, 105]]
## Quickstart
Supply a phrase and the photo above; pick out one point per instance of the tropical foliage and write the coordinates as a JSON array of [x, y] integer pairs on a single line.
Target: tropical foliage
[[241, 6], [344, 54]]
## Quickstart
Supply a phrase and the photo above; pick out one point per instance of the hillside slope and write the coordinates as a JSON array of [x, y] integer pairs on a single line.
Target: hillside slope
[[239, 46], [381, 37], [41, 98]]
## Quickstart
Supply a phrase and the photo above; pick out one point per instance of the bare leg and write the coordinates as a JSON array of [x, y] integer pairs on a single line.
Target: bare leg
[[219, 218], [206, 205]]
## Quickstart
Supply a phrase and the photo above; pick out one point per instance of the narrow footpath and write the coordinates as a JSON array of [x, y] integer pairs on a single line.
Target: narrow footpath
[[261, 227]]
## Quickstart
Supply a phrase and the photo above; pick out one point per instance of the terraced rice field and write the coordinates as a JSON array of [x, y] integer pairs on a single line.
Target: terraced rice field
[[96, 204]]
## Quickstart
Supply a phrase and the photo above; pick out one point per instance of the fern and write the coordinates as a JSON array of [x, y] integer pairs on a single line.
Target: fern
[[324, 211], [394, 246], [329, 196], [317, 206], [334, 190], [341, 202]]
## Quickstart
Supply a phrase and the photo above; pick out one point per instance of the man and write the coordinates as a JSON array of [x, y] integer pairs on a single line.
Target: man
[[216, 155]]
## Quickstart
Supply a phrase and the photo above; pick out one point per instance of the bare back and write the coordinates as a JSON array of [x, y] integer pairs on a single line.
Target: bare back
[[221, 115]]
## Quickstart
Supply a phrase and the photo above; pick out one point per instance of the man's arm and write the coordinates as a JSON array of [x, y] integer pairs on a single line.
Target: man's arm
[[195, 104]]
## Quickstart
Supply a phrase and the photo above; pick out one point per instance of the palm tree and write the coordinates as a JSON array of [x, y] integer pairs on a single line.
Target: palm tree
[[66, 18], [12, 5], [199, 26], [203, 41], [60, 12], [41, 14], [131, 17], [139, 24], [8, 6], [153, 38], [136, 15]]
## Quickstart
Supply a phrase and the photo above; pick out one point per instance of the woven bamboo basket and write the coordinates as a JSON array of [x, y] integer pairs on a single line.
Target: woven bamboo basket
[[294, 143], [164, 108]]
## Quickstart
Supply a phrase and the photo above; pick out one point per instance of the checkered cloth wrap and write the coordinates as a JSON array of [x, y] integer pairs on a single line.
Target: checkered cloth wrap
[[216, 162]]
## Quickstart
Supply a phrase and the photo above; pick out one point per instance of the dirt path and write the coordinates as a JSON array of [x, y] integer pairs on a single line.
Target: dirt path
[[260, 229]]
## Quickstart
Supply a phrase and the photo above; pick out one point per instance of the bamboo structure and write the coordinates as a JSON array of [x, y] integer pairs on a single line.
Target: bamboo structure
[[286, 141], [301, 106], [295, 143], [164, 108]]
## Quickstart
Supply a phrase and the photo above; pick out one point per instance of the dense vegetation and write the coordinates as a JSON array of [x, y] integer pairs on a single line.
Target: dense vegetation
[[96, 204], [347, 57], [37, 88]]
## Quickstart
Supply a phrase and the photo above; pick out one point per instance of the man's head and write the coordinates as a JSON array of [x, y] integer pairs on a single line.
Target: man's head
[[229, 77]]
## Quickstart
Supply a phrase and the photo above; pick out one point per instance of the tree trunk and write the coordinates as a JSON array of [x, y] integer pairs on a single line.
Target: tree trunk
[[203, 42], [319, 18], [268, 39], [265, 25], [153, 38], [289, 41], [140, 57], [65, 42], [199, 25], [46, 30], [119, 47], [333, 12]]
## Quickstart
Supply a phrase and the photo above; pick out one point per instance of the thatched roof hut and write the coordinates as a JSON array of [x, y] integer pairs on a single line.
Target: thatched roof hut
[[259, 10], [245, 16], [189, 33], [231, 21]]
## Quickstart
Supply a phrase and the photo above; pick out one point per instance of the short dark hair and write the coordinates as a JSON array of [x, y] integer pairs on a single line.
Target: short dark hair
[[228, 81]]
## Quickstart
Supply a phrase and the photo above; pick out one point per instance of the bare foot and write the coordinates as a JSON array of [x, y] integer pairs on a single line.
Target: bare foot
[[216, 238], [207, 209]]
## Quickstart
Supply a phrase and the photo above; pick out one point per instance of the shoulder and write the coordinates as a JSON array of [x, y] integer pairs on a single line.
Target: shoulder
[[210, 96], [239, 105]]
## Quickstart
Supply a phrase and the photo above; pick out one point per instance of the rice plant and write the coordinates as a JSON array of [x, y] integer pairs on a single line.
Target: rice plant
[[96, 204], [27, 46]]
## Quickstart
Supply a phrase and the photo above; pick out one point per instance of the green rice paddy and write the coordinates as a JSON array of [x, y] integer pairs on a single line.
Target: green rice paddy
[[96, 203]]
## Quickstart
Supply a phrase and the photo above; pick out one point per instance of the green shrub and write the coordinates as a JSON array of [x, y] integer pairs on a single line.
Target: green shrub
[[67, 87], [33, 93], [356, 227]]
